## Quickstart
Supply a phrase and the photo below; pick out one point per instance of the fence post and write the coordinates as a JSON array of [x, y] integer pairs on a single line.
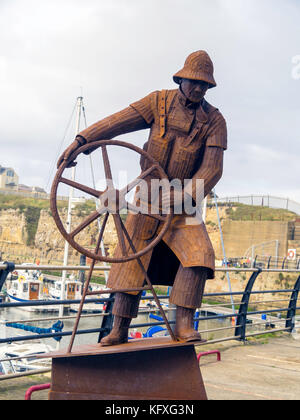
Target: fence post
[[254, 264], [269, 262], [4, 273], [290, 323], [241, 322]]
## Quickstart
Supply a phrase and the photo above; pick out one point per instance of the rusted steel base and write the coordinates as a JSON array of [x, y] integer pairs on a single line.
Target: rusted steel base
[[148, 369]]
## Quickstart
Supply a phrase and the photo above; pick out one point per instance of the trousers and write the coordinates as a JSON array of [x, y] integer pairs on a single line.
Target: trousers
[[187, 292]]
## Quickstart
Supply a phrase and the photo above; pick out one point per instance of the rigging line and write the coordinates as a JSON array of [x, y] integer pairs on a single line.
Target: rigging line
[[60, 146]]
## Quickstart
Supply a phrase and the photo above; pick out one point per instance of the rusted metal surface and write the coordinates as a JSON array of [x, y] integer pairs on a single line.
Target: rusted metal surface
[[86, 285], [156, 369], [131, 346], [122, 232], [70, 237], [187, 139], [198, 66]]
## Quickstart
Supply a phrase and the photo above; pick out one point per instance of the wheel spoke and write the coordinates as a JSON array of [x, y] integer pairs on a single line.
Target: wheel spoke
[[84, 188], [85, 223], [143, 175], [107, 168], [87, 283], [101, 232]]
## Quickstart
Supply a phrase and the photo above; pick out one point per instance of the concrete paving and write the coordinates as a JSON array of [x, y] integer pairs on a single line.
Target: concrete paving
[[266, 369]]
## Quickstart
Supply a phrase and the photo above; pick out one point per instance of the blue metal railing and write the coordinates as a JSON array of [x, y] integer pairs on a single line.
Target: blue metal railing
[[241, 318]]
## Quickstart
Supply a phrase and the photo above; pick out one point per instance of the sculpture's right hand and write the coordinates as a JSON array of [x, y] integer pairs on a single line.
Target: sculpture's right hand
[[67, 153]]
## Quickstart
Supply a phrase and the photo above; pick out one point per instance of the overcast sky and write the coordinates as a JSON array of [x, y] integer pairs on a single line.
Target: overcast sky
[[114, 52]]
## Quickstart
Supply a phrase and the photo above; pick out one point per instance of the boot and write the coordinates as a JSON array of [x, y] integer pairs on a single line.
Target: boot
[[119, 332], [184, 329]]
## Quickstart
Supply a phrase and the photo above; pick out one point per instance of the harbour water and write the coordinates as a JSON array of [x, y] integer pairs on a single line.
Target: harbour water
[[44, 320]]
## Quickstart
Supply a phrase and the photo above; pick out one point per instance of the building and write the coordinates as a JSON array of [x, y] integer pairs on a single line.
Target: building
[[8, 178], [37, 191], [9, 183]]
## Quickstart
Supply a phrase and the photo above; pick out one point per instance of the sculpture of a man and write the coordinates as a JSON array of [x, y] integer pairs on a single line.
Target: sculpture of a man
[[187, 137]]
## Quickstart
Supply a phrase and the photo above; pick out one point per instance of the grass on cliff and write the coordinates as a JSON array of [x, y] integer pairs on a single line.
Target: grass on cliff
[[31, 208], [243, 212], [17, 202]]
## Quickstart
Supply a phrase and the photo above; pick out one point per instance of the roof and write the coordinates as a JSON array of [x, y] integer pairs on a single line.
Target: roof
[[3, 169]]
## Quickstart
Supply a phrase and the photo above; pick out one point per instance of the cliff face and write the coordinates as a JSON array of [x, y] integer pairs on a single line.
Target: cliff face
[[48, 245], [27, 235], [12, 227], [239, 235]]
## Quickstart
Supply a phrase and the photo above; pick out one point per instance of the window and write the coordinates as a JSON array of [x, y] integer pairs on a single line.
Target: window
[[10, 173]]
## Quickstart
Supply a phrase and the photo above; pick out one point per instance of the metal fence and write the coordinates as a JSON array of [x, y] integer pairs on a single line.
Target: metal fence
[[246, 319], [264, 261], [262, 200]]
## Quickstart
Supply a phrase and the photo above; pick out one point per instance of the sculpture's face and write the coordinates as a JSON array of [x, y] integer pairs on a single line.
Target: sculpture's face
[[194, 90]]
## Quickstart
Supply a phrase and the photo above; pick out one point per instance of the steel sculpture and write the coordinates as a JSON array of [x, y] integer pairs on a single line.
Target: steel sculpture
[[187, 140]]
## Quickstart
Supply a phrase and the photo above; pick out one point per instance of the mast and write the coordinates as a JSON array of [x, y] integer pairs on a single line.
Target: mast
[[69, 217], [79, 109]]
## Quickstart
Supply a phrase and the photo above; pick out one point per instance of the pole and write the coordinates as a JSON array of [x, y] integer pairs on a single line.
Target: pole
[[252, 256], [223, 248], [69, 217], [276, 252], [204, 209]]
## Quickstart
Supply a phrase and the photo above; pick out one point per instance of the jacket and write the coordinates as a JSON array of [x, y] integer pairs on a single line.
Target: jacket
[[188, 141]]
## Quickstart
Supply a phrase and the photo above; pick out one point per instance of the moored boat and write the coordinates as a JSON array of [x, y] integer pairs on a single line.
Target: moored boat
[[73, 291], [10, 362], [28, 287]]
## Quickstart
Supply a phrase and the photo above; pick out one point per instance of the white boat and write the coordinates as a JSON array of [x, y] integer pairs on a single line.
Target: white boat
[[27, 351], [73, 291], [29, 286], [146, 304]]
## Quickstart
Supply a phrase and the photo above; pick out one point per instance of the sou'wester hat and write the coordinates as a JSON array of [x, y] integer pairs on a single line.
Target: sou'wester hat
[[198, 66]]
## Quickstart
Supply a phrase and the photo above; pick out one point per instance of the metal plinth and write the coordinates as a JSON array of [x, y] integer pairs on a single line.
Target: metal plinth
[[148, 369]]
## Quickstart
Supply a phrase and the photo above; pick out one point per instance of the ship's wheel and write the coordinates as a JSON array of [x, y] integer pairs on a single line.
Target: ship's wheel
[[112, 201]]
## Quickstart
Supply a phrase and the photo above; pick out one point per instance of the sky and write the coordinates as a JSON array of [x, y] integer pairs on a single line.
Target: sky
[[115, 52]]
